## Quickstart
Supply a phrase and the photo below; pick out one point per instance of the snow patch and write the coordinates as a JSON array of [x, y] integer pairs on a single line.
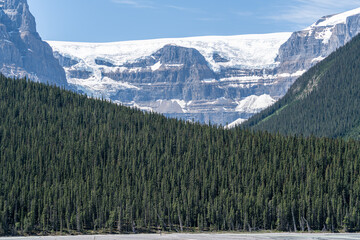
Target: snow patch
[[135, 105], [209, 81], [156, 66], [181, 103], [296, 74], [235, 123], [254, 104], [103, 88], [318, 59], [325, 35]]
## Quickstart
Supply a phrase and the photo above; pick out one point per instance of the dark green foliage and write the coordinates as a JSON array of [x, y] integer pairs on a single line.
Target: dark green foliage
[[68, 163], [325, 101]]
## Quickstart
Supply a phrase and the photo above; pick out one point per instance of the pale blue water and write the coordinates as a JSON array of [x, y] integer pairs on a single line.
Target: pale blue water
[[275, 236]]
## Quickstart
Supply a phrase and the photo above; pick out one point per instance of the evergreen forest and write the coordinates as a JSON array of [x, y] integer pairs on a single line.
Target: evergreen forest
[[71, 164]]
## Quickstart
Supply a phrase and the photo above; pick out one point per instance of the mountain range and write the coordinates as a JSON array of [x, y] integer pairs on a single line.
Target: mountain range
[[217, 79]]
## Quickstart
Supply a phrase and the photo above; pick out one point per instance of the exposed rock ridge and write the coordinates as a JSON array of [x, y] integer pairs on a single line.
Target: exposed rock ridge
[[22, 52]]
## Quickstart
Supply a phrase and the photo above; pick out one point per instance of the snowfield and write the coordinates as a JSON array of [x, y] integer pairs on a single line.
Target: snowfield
[[242, 51], [280, 236]]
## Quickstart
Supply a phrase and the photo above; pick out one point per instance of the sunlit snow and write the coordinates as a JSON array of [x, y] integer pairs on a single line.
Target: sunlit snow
[[329, 23], [253, 103], [235, 123], [336, 19], [248, 51]]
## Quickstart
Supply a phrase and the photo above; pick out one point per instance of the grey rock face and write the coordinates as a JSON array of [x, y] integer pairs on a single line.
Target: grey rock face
[[178, 76], [80, 74], [22, 52], [217, 58], [65, 61], [305, 48], [103, 62]]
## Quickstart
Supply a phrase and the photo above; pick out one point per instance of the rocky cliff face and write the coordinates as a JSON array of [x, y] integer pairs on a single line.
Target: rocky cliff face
[[217, 79], [22, 52], [309, 46], [175, 71]]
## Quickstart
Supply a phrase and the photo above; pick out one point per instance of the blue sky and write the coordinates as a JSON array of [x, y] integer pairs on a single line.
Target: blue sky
[[119, 20]]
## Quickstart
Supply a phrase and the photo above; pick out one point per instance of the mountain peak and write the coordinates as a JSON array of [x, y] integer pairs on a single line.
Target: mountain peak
[[332, 20], [18, 12], [12, 4], [22, 52]]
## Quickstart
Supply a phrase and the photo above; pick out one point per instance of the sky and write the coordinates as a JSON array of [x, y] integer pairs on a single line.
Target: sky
[[121, 20]]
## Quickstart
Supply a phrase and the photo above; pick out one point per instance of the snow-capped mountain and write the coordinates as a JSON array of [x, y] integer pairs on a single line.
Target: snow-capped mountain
[[217, 79], [311, 45]]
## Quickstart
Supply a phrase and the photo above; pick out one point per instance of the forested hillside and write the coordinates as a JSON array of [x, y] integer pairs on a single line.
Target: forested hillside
[[325, 101], [73, 164]]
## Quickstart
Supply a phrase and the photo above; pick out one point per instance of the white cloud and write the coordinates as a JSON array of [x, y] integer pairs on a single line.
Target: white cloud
[[136, 3], [184, 9], [305, 12], [244, 14], [153, 5], [177, 7]]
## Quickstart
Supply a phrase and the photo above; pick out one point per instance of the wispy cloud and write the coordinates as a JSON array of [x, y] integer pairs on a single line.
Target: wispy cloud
[[136, 3], [184, 9], [303, 11], [177, 8], [244, 14], [153, 5], [209, 19]]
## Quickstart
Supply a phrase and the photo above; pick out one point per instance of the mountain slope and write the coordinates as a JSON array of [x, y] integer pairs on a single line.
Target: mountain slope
[[71, 164], [22, 52], [239, 67], [325, 101]]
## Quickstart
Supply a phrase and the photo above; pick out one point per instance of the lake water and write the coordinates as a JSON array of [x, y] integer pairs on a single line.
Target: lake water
[[273, 236]]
